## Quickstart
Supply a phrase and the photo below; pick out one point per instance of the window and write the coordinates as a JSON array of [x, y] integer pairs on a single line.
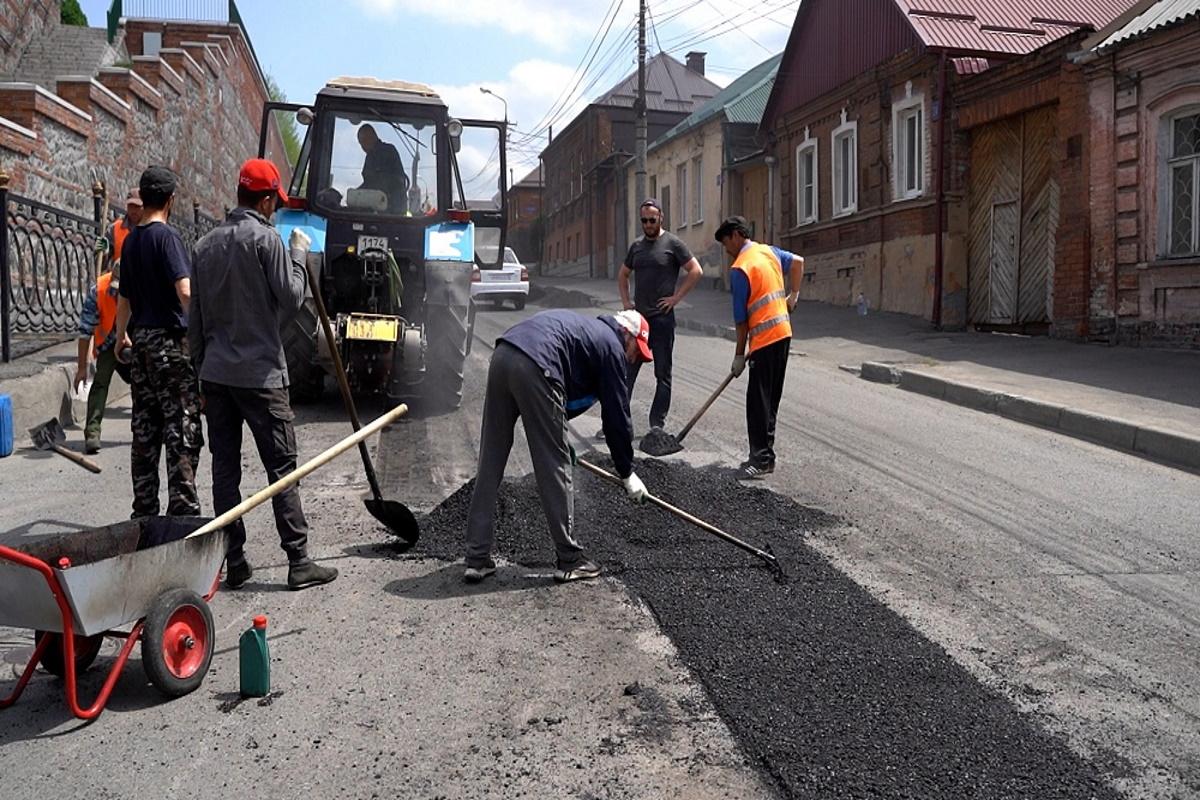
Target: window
[[806, 181], [845, 168], [653, 188], [578, 246], [908, 145], [698, 189], [666, 206], [1183, 186], [682, 184]]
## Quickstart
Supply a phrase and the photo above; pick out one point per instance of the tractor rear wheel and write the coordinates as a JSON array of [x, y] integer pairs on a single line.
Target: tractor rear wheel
[[445, 355], [306, 379]]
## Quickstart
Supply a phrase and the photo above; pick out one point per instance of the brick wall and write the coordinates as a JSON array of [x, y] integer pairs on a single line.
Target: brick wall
[[196, 107]]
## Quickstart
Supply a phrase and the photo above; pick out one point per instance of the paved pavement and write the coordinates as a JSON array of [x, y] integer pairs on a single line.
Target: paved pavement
[[1144, 401]]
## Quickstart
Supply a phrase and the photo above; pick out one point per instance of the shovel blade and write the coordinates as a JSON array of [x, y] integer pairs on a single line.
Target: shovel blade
[[660, 443], [48, 434], [396, 517]]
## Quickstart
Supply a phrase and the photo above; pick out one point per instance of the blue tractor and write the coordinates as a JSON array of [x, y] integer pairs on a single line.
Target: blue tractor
[[403, 204]]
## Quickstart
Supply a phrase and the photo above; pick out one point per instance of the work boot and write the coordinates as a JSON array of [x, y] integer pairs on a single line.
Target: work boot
[[583, 571], [477, 574], [237, 573], [309, 573], [91, 444]]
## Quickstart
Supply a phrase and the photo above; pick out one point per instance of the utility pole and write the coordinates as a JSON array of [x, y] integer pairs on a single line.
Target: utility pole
[[639, 107]]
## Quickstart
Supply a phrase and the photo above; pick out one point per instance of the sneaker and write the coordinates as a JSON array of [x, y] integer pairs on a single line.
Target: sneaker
[[477, 574], [748, 470], [583, 571], [599, 437], [91, 445], [310, 573], [237, 574]]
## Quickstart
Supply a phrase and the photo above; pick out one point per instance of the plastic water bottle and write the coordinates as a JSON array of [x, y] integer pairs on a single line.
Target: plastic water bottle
[[6, 426], [862, 304], [254, 660]]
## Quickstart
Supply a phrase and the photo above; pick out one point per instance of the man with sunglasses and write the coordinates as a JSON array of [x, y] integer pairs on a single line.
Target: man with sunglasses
[[655, 260]]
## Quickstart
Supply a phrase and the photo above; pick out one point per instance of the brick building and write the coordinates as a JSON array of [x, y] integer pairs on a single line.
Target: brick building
[[525, 224], [883, 153], [1143, 91], [81, 101], [587, 203]]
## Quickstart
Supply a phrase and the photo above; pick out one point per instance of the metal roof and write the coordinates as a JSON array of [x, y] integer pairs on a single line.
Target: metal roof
[[1159, 15], [744, 98], [1016, 27], [670, 86]]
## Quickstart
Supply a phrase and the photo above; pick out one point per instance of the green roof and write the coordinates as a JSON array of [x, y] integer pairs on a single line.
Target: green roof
[[741, 101]]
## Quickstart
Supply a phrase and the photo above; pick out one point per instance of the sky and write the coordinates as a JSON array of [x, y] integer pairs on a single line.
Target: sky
[[533, 53]]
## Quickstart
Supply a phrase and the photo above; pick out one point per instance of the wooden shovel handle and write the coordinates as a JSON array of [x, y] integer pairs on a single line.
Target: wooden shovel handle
[[301, 471], [705, 407], [86, 463]]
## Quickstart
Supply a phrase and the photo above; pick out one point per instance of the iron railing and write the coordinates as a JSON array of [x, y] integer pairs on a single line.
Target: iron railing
[[225, 11]]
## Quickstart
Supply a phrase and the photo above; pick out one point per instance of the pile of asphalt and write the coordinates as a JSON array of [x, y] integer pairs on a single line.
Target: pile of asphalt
[[830, 692], [658, 442]]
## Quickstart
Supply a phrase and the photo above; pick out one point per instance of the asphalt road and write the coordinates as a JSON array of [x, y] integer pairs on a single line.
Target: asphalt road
[[1053, 581]]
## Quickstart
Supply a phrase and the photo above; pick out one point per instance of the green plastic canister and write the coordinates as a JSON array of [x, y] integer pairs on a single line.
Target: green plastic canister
[[254, 660]]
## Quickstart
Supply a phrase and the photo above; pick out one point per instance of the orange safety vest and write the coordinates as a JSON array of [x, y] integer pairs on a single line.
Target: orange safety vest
[[117, 235], [767, 306], [106, 305]]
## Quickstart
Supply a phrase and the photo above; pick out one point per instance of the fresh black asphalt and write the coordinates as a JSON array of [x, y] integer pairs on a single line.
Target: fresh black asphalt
[[829, 692]]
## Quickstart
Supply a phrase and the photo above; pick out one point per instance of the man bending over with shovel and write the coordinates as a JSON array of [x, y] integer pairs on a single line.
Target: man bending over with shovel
[[244, 287], [546, 370]]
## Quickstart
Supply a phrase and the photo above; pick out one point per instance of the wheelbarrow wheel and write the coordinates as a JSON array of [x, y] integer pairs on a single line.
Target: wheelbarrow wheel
[[54, 659], [177, 642]]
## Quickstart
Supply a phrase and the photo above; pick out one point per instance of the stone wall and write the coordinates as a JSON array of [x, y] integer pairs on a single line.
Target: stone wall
[[196, 107]]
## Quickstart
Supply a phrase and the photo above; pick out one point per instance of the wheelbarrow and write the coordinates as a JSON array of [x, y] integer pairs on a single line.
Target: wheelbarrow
[[153, 575]]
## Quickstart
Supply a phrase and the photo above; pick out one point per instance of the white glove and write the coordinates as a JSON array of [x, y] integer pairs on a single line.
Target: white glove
[[635, 488], [739, 366], [298, 245]]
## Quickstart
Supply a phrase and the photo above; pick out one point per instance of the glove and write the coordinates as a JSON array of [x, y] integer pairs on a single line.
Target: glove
[[298, 245], [635, 488], [739, 366], [574, 458], [101, 245]]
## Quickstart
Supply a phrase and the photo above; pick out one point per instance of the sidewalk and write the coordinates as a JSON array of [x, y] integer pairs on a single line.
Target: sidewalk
[[40, 385], [1143, 401]]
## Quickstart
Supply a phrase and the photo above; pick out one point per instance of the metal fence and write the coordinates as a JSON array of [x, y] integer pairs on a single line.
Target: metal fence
[[48, 265]]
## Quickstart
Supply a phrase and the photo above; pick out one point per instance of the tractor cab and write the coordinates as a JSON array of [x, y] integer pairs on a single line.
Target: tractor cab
[[403, 202]]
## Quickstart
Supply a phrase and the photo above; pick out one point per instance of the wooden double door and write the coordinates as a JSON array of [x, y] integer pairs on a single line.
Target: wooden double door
[[1013, 200]]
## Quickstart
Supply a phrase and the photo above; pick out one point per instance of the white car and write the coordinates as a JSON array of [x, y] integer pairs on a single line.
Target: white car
[[509, 281]]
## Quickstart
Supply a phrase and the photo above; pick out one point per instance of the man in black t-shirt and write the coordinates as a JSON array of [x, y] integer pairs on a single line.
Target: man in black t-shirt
[[152, 334], [655, 260]]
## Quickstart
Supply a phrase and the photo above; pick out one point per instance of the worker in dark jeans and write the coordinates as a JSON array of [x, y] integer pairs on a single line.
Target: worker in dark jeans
[[245, 286], [655, 260], [546, 370], [761, 309]]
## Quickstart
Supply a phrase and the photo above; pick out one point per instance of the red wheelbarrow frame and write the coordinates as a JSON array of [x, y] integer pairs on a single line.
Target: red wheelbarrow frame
[[68, 642]]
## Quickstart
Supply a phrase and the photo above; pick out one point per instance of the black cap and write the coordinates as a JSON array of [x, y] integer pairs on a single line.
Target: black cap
[[157, 182], [650, 201], [732, 225]]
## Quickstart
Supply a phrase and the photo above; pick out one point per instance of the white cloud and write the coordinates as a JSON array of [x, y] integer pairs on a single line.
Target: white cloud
[[553, 23]]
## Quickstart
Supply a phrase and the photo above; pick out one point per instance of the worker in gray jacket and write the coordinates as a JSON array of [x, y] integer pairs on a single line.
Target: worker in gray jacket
[[245, 287], [546, 370]]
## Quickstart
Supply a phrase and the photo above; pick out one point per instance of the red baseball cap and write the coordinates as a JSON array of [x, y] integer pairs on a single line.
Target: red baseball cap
[[636, 324], [261, 175]]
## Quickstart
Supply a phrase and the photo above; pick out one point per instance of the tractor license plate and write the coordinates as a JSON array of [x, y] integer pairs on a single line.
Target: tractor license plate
[[368, 243], [369, 328]]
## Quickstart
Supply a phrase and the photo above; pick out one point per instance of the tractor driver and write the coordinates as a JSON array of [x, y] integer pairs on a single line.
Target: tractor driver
[[383, 170]]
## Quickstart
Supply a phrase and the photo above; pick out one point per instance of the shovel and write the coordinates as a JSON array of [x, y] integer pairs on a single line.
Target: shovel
[[765, 555], [50, 436], [664, 444], [302, 471], [393, 514]]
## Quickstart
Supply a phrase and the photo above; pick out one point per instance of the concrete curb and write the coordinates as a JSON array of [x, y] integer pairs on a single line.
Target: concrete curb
[[1169, 447], [49, 392]]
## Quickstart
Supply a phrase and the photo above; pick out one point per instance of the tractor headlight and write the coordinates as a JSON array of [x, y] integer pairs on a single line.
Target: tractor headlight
[[454, 128]]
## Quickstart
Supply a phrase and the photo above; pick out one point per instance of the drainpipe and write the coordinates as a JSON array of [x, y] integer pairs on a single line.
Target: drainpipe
[[772, 165], [939, 191]]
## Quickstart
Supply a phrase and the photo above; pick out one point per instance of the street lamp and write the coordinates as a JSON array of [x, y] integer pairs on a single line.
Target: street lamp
[[486, 90]]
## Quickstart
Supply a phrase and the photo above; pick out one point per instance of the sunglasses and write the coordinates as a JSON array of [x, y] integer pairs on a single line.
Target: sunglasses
[[649, 220]]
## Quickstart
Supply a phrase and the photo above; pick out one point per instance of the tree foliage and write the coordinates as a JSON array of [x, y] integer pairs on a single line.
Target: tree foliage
[[287, 123], [72, 14]]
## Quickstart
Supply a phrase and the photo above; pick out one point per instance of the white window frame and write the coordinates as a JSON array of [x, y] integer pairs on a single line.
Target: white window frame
[[808, 147], [681, 185], [698, 190], [912, 105], [1169, 164], [843, 206]]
